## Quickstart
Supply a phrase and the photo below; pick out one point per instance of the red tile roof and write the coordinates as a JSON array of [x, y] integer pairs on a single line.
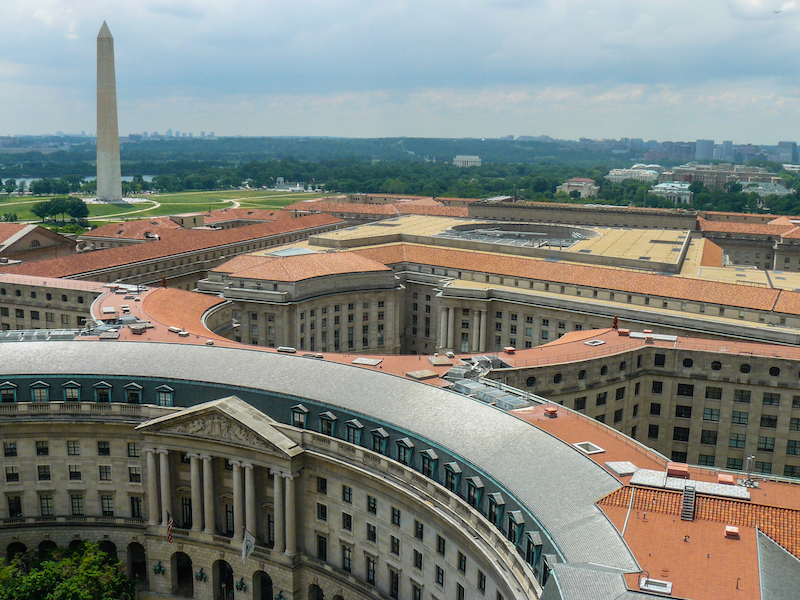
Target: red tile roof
[[173, 242], [747, 228], [712, 255], [380, 209], [223, 215], [664, 286], [132, 230], [298, 268], [9, 229]]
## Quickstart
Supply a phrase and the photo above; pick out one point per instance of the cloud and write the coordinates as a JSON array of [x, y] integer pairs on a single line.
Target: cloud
[[393, 57]]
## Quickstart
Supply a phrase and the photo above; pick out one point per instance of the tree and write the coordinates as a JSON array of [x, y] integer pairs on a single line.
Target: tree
[[83, 574], [41, 210], [77, 209], [10, 185]]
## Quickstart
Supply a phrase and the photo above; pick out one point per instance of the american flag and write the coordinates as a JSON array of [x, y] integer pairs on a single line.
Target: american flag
[[170, 523]]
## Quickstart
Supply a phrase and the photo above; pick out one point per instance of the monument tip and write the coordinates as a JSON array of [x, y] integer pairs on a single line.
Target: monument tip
[[104, 31]]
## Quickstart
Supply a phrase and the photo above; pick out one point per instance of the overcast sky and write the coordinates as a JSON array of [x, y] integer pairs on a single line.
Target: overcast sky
[[655, 69]]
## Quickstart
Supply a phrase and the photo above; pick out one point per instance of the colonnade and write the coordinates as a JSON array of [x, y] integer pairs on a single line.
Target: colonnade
[[448, 328], [159, 493]]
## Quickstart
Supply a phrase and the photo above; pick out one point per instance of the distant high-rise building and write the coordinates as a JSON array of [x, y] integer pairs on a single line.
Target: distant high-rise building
[[145, 135], [787, 152], [109, 179], [169, 133], [704, 150], [202, 134], [727, 150], [210, 134]]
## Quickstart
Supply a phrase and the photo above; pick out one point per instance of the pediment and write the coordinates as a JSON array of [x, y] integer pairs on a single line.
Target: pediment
[[224, 421]]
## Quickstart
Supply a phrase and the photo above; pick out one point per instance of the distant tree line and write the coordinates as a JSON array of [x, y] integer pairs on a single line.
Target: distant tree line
[[62, 206]]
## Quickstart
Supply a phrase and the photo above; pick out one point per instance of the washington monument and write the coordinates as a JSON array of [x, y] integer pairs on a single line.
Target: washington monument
[[109, 179]]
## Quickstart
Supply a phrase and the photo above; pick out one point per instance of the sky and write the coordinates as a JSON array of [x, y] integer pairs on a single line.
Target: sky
[[651, 69]]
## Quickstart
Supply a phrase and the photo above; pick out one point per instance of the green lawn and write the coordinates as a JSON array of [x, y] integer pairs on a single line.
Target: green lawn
[[158, 205]]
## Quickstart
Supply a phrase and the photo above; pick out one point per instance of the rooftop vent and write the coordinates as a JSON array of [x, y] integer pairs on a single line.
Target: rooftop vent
[[731, 532], [655, 585], [594, 343], [551, 411], [588, 447]]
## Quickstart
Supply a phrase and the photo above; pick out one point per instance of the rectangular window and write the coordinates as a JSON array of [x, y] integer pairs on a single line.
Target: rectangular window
[[439, 575], [683, 411], [617, 415], [771, 399], [685, 389], [419, 530], [741, 396], [620, 393], [660, 360], [322, 547], [710, 414], [441, 544], [395, 516], [77, 504], [658, 387], [580, 403], [462, 562], [322, 485], [42, 448], [417, 559], [601, 398], [9, 449], [708, 437], [794, 424], [372, 532], [706, 460], [135, 474], [347, 558], [347, 521], [347, 494], [739, 418], [395, 545], [737, 440], [12, 474], [713, 393], [459, 592], [46, 505], [75, 473], [136, 507], [735, 464], [769, 421], [370, 570], [105, 472], [322, 512], [14, 506], [103, 449], [655, 408], [765, 468], [766, 444], [793, 447], [43, 471], [680, 434], [133, 450]]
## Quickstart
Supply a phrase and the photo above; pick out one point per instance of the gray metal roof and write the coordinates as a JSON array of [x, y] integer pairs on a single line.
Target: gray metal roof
[[588, 582], [557, 483], [779, 570]]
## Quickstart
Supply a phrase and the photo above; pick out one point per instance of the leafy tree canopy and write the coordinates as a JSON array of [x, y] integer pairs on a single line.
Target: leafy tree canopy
[[84, 574]]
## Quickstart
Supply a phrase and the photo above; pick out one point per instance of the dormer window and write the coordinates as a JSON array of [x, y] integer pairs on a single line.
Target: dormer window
[[405, 448], [327, 423], [452, 476], [379, 440], [474, 491], [353, 431], [429, 461], [299, 416]]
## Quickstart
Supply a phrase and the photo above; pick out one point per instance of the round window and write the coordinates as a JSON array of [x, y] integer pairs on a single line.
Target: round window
[[557, 378], [530, 381], [716, 365], [582, 374], [688, 362], [745, 368], [774, 371], [622, 365], [603, 370]]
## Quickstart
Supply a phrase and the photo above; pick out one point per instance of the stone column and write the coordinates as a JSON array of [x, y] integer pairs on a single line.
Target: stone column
[[483, 332], [277, 483], [166, 492], [443, 328], [291, 533], [197, 493], [208, 495], [451, 327], [152, 487], [475, 333], [249, 498], [238, 525]]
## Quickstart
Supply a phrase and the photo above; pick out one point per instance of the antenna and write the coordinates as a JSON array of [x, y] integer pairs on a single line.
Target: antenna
[[750, 462]]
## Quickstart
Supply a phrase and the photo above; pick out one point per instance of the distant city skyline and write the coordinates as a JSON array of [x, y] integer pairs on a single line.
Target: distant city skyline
[[721, 69]]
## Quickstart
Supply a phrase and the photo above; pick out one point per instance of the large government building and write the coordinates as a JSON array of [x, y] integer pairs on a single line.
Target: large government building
[[420, 405]]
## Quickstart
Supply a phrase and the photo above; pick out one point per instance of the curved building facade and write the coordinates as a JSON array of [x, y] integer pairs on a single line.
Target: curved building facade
[[353, 483]]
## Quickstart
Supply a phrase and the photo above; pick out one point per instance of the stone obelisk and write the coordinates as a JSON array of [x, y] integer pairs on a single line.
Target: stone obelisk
[[109, 179]]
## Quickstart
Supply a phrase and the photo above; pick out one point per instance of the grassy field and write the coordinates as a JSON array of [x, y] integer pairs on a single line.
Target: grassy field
[[158, 205]]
